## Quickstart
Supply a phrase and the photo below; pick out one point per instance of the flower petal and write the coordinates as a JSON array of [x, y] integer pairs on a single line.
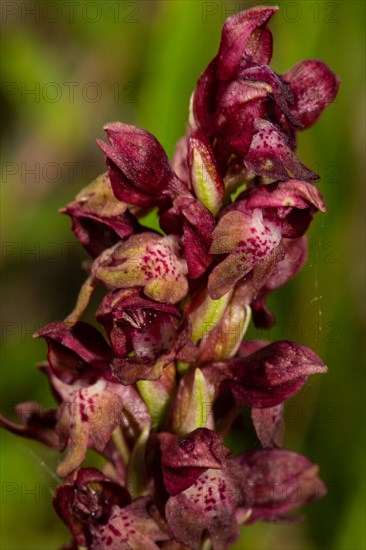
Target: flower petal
[[76, 351], [185, 459], [279, 90], [99, 220], [270, 155], [239, 106], [88, 419], [203, 100], [138, 167], [314, 87], [269, 425], [136, 526], [245, 35], [250, 241], [272, 374], [207, 507], [147, 260]]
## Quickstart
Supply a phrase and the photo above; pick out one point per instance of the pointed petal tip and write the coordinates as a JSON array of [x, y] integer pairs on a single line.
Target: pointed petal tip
[[103, 146], [113, 126]]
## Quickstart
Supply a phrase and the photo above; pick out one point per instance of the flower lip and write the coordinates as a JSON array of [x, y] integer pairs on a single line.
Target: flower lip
[[185, 459]]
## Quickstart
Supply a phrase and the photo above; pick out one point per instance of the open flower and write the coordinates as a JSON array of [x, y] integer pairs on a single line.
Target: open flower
[[99, 220], [100, 514], [251, 230], [145, 335], [265, 484], [148, 260], [76, 352], [185, 459], [85, 499], [250, 111]]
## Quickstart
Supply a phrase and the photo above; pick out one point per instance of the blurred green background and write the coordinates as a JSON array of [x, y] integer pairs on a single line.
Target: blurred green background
[[69, 67]]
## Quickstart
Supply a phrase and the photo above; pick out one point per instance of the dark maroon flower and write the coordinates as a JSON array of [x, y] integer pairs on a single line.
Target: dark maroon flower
[[184, 459], [190, 220], [76, 351], [37, 423], [245, 39], [270, 375], [238, 108], [250, 231], [145, 335], [99, 220], [276, 482], [265, 484], [85, 499], [250, 111], [138, 167]]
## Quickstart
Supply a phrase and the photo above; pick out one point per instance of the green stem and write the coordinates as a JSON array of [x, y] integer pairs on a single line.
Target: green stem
[[120, 443]]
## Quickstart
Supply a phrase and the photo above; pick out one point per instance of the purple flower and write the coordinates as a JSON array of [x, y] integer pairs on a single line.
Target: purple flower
[[250, 111], [270, 375], [100, 514], [99, 220], [85, 500], [145, 335], [185, 459], [250, 231], [146, 260], [76, 352], [138, 167], [265, 484]]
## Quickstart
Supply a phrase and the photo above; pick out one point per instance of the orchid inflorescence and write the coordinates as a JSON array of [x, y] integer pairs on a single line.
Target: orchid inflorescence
[[158, 400]]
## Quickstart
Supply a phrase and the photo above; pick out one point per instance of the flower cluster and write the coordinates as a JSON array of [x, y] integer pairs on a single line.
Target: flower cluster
[[157, 396]]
